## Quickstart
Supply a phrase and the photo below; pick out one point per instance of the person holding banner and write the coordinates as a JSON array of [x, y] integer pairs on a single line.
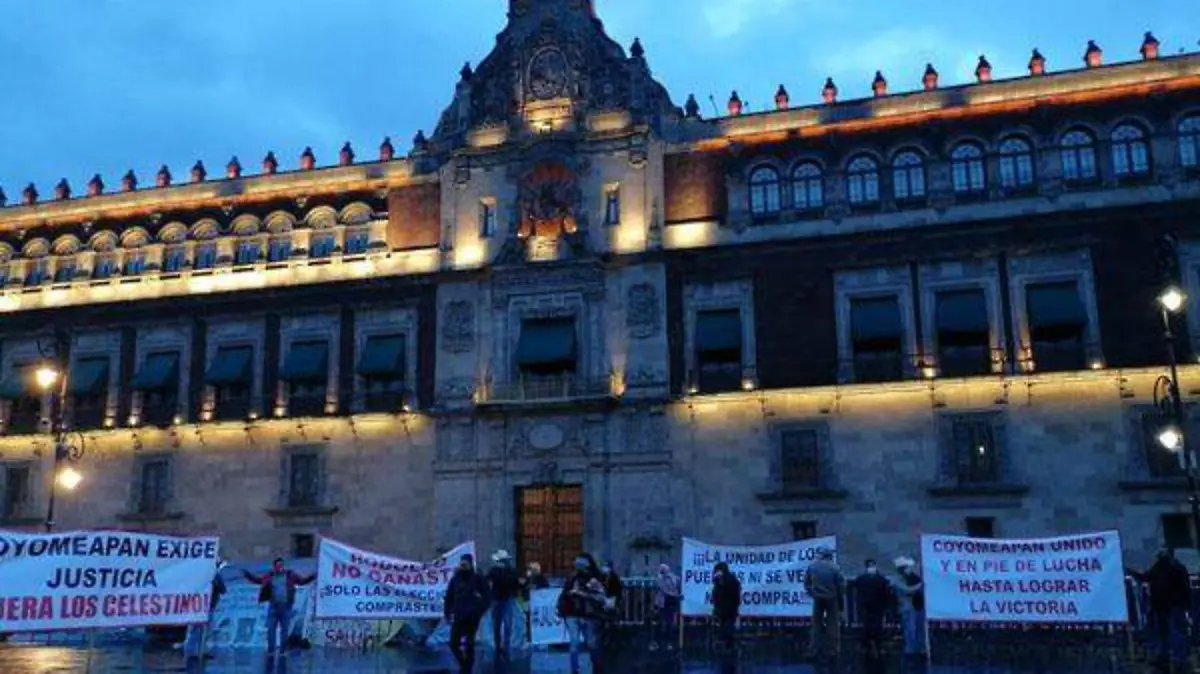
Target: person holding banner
[[278, 592], [911, 590], [727, 604], [581, 605], [193, 647], [823, 581]]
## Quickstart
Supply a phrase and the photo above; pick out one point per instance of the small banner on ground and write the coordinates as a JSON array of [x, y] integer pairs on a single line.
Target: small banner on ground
[[546, 627], [103, 579], [772, 576], [355, 584], [1070, 579]]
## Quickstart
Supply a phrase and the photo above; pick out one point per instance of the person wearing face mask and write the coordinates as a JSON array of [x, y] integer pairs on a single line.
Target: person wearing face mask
[[581, 606], [727, 604], [666, 602], [466, 602], [911, 590], [873, 593]]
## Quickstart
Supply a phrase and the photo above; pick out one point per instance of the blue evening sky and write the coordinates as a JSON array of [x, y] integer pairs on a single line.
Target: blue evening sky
[[107, 85]]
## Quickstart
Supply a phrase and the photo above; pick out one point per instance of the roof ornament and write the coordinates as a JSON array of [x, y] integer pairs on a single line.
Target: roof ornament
[[466, 73], [386, 150], [983, 71], [1094, 56], [830, 92], [163, 179], [636, 50], [692, 107], [3, 198], [1037, 64], [346, 156], [129, 181], [420, 143], [880, 84], [199, 173], [930, 78], [29, 195], [270, 164], [95, 186], [781, 98], [735, 104], [233, 169], [62, 190], [1149, 47], [308, 160]]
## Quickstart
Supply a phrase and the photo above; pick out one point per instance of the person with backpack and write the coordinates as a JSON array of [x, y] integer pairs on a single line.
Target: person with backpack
[[911, 590], [581, 604], [277, 589], [466, 603]]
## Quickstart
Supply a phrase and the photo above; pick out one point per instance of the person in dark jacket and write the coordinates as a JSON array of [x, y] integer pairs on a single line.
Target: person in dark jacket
[[727, 605], [533, 579], [581, 605], [277, 589], [504, 584], [193, 647], [873, 594], [1170, 600], [466, 602]]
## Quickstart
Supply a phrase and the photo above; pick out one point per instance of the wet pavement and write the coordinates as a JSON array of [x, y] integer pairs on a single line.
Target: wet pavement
[[110, 660]]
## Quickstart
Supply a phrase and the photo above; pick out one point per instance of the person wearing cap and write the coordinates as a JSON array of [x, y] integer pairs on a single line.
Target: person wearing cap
[[194, 645], [581, 606], [911, 590], [466, 602], [824, 583], [277, 589], [504, 584]]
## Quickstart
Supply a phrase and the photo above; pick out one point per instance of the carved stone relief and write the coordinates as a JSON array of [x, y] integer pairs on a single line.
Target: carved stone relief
[[642, 314], [458, 332]]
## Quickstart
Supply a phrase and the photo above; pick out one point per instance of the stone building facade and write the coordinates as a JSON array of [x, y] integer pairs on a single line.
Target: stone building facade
[[579, 316]]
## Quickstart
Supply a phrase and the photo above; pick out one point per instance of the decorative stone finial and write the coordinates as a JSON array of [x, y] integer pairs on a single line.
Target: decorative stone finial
[[129, 181], [346, 156], [830, 92], [270, 164], [691, 108], [1149, 47], [62, 190], [386, 150], [1094, 56], [466, 73], [1037, 63], [983, 71], [233, 169], [735, 104], [636, 50], [420, 142], [781, 98], [95, 186], [308, 160], [930, 78], [199, 173], [3, 198], [879, 84], [29, 195], [163, 179]]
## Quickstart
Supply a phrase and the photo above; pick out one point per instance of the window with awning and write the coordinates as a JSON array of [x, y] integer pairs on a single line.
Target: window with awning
[[383, 358], [233, 366], [306, 363], [962, 312], [19, 383], [963, 333], [875, 324], [1055, 306], [159, 372], [719, 336], [547, 346], [88, 378]]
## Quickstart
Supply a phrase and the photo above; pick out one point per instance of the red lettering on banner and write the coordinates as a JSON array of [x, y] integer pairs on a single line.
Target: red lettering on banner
[[26, 608]]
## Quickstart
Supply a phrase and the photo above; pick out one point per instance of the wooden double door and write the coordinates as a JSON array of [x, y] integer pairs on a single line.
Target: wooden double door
[[549, 527]]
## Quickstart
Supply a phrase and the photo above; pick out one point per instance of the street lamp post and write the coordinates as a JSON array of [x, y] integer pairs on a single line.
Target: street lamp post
[[52, 381], [1170, 403]]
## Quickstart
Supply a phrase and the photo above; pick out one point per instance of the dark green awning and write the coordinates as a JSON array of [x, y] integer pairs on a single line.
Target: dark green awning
[[718, 331], [1055, 305], [307, 361], [383, 358], [232, 366], [159, 372], [88, 377], [19, 383], [546, 342], [962, 311], [875, 319]]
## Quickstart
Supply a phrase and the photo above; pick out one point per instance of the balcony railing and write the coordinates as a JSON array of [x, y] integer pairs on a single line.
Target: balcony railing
[[547, 388]]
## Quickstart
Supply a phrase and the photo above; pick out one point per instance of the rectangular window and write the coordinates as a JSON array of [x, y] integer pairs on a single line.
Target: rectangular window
[[487, 218], [976, 451], [383, 368], [64, 270], [877, 339], [804, 530], [280, 249], [87, 388], [306, 371], [981, 527], [247, 252], [304, 480], [1177, 531], [206, 256], [16, 491], [1057, 326], [24, 400], [154, 486], [800, 459], [546, 355], [174, 259], [358, 241], [963, 333], [718, 351], [157, 380], [36, 273], [612, 205], [321, 246], [103, 267], [304, 546], [135, 263], [231, 376]]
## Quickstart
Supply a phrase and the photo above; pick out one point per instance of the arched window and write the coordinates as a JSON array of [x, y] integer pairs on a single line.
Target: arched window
[[808, 192], [1016, 163], [1189, 142], [1130, 153], [970, 176], [764, 191], [862, 181], [908, 176], [1078, 156]]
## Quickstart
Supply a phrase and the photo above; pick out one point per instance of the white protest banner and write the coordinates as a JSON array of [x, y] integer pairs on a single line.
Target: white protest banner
[[240, 621], [103, 579], [772, 576], [360, 585], [548, 628], [1070, 579]]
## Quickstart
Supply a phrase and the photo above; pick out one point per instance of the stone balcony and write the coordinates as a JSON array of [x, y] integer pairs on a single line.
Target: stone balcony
[[548, 390]]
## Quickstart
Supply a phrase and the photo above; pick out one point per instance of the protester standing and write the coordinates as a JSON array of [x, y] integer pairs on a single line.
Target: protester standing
[[911, 590], [666, 604], [466, 602], [874, 596], [277, 589], [504, 584], [823, 581], [533, 580], [581, 605], [1170, 589], [727, 604], [194, 646]]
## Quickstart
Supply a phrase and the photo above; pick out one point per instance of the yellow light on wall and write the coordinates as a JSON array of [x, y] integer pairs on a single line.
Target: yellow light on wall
[[69, 478]]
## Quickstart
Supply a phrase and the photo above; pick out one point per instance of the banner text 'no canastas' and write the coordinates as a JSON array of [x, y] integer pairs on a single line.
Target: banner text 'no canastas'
[[359, 584]]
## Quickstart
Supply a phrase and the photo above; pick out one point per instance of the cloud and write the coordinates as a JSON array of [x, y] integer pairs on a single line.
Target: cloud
[[726, 18]]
